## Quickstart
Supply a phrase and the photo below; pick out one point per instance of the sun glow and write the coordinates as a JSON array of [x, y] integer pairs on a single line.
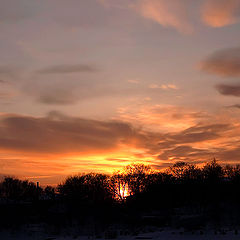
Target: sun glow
[[123, 191], [106, 163]]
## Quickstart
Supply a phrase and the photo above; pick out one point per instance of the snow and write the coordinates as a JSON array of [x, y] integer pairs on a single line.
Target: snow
[[159, 235]]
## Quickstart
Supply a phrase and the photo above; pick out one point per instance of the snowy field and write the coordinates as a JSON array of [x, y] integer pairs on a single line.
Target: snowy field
[[164, 235]]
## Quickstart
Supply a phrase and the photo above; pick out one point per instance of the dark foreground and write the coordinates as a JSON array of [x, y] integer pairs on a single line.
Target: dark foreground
[[185, 202]]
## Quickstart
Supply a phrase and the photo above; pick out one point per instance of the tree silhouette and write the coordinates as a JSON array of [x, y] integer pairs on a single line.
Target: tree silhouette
[[213, 171], [50, 192], [137, 176], [15, 189], [88, 188], [211, 191]]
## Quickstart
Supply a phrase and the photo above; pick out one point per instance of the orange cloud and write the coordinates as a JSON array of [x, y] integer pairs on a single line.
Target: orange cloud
[[219, 13], [172, 13], [47, 149], [163, 86], [161, 117], [182, 14]]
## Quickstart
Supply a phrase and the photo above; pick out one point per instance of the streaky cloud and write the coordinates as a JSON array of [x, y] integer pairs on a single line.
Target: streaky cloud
[[57, 134], [68, 68]]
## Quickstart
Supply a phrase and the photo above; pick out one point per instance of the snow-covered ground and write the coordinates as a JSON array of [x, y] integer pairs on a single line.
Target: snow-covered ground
[[160, 235]]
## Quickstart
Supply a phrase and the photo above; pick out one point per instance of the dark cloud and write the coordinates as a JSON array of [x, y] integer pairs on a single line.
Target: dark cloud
[[224, 63], [61, 69], [178, 146], [194, 134], [186, 152], [57, 134], [229, 90]]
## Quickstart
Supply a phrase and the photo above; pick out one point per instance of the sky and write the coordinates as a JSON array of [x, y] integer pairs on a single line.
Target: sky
[[95, 85]]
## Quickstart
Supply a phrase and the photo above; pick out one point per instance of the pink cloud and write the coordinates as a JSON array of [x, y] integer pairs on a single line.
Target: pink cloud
[[172, 13], [219, 13]]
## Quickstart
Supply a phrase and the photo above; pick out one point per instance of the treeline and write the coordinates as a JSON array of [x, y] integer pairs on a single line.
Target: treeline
[[211, 192], [133, 181]]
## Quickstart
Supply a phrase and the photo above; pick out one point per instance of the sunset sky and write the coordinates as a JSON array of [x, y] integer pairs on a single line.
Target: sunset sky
[[94, 85]]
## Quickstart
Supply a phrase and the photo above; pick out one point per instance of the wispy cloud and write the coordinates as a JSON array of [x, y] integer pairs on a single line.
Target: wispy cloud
[[185, 153], [67, 68], [135, 81], [163, 86], [162, 117], [173, 13]]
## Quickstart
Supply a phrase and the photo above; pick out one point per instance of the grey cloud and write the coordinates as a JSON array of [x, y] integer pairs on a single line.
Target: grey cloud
[[66, 95], [229, 90], [65, 68], [224, 63], [58, 97]]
